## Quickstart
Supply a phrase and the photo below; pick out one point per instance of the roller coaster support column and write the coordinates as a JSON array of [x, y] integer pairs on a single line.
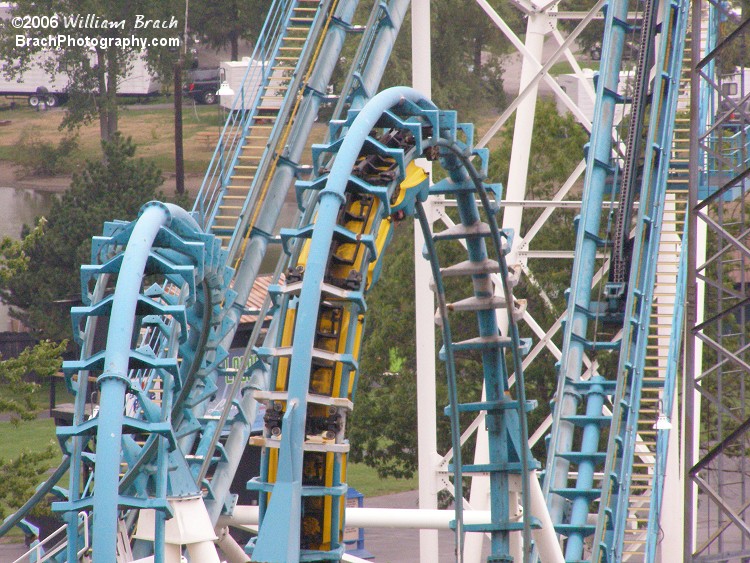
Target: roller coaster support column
[[539, 24], [381, 53], [114, 381], [424, 305], [278, 537]]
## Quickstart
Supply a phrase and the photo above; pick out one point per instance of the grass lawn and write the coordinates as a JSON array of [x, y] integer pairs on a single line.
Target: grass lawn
[[33, 436], [366, 481], [151, 129], [37, 434]]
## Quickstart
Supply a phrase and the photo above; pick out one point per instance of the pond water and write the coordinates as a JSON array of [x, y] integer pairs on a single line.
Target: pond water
[[19, 206]]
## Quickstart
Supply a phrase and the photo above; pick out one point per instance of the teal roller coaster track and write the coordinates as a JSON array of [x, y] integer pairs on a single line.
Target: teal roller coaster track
[[150, 473]]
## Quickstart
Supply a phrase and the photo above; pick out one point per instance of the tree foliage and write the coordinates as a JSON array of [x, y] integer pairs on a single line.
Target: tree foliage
[[39, 275], [17, 398], [383, 430], [222, 24], [95, 68], [19, 476]]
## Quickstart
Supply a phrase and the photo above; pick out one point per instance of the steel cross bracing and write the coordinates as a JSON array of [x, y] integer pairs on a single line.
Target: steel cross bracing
[[663, 359], [541, 22], [717, 526]]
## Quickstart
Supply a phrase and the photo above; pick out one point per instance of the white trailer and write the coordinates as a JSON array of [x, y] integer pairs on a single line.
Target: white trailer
[[138, 81], [40, 86], [735, 91], [234, 72]]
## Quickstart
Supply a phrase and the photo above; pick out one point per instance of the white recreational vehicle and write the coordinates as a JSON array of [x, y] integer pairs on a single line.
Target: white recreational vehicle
[[39, 86], [734, 102], [234, 72]]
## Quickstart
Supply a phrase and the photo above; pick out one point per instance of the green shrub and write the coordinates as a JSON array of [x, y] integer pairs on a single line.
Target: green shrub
[[43, 158]]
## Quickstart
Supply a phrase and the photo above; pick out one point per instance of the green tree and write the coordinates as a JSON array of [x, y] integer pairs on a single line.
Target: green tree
[[100, 57], [226, 23], [467, 51], [40, 278], [19, 476]]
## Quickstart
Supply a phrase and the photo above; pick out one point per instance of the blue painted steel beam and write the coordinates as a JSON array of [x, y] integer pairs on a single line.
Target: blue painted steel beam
[[655, 173], [114, 382], [278, 537], [594, 191]]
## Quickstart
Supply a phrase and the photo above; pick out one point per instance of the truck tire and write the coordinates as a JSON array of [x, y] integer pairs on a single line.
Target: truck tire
[[52, 101], [209, 98], [34, 101]]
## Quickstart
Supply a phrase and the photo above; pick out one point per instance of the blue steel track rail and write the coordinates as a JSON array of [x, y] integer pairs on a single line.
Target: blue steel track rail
[[207, 319], [576, 438], [150, 401], [613, 508], [169, 280], [303, 305]]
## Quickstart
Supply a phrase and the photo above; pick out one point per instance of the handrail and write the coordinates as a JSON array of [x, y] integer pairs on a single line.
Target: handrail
[[235, 128], [280, 132], [38, 550]]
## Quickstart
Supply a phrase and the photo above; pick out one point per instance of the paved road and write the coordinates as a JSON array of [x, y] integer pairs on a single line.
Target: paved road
[[402, 546], [387, 546]]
